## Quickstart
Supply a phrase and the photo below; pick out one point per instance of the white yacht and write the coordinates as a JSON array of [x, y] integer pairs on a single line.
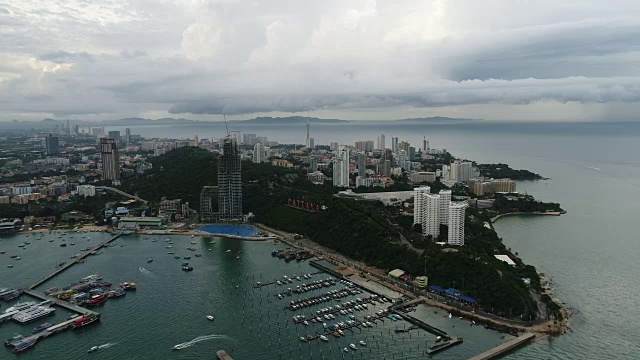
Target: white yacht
[[353, 346], [20, 306]]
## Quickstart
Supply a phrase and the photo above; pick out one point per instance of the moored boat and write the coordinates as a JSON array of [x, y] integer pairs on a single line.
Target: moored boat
[[85, 320], [25, 344]]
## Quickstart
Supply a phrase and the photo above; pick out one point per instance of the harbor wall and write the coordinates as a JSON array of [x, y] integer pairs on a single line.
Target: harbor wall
[[505, 347]]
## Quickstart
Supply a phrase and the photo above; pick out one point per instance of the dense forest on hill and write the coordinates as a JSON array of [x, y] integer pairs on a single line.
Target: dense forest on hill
[[358, 229], [502, 171]]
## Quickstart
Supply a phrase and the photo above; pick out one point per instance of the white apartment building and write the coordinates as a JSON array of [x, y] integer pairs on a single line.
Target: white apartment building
[[445, 201], [456, 223], [86, 190], [341, 167], [431, 215], [418, 201]]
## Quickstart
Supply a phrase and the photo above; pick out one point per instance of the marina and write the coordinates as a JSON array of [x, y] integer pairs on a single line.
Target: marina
[[247, 315]]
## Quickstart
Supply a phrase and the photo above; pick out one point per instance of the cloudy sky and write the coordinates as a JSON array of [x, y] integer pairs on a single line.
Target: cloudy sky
[[361, 59]]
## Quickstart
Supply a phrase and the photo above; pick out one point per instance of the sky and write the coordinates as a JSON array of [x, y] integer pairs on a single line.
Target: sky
[[547, 60]]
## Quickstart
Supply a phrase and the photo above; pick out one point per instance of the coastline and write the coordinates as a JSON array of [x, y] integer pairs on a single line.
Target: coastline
[[552, 213], [547, 327]]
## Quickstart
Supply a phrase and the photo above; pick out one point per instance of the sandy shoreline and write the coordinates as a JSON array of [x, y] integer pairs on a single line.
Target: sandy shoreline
[[552, 213]]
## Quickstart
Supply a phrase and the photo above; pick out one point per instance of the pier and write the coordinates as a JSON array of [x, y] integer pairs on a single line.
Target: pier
[[70, 263], [75, 308], [444, 345], [421, 324], [505, 347]]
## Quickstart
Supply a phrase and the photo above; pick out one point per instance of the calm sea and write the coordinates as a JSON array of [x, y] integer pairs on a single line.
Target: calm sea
[[590, 254]]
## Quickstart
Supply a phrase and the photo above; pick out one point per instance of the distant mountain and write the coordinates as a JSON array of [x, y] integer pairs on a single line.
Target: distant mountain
[[142, 121], [290, 120], [434, 119]]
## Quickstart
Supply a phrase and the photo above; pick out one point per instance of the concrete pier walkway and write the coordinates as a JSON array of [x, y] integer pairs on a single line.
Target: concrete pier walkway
[[61, 303], [504, 347]]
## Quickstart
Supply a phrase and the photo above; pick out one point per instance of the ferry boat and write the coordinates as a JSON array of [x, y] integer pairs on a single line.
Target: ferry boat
[[9, 294], [14, 340], [85, 320], [25, 344], [20, 306], [33, 313], [42, 327]]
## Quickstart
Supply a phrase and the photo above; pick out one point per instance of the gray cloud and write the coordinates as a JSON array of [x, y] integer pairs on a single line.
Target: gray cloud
[[238, 57]]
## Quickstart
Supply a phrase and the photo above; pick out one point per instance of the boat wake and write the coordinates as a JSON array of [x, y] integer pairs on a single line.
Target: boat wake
[[145, 271], [106, 346], [187, 344]]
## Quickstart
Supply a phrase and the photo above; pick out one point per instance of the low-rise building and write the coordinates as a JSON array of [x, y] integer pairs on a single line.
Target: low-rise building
[[418, 177]]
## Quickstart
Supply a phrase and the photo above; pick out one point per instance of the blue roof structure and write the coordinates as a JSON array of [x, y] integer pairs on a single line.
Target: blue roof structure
[[452, 291], [466, 298], [437, 288]]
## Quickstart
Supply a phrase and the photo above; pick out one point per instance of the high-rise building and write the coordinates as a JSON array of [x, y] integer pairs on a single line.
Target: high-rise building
[[424, 145], [208, 197], [341, 167], [333, 146], [312, 143], [115, 135], [380, 144], [52, 145], [366, 145], [479, 187], [196, 141], [362, 166], [229, 181], [313, 164], [418, 202], [308, 142], [110, 159], [430, 215], [127, 135], [237, 137], [412, 153], [445, 201], [456, 223], [260, 153], [394, 143]]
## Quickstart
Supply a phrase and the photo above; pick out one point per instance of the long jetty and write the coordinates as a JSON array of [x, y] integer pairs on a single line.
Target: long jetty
[[70, 263], [61, 303], [504, 347]]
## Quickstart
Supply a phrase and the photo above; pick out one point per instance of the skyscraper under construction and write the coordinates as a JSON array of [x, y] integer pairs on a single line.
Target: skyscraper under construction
[[229, 182]]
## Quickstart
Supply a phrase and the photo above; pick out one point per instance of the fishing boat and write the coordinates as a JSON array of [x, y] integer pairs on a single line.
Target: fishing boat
[[10, 266], [171, 252], [85, 320], [96, 300]]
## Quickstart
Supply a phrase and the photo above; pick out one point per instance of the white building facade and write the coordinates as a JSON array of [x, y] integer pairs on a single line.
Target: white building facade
[[418, 203], [341, 167], [445, 201], [456, 223], [431, 215]]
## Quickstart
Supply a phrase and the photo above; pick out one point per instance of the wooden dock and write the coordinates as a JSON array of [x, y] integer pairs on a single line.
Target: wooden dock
[[70, 263], [75, 308], [504, 347]]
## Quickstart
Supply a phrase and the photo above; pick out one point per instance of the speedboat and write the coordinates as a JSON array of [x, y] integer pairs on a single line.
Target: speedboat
[[210, 317], [353, 346], [93, 348], [362, 343], [180, 346], [345, 350], [149, 261], [324, 338]]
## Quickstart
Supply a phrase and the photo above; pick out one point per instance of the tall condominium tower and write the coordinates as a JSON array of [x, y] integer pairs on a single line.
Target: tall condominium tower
[[418, 201], [229, 182], [445, 200], [380, 144], [362, 165], [52, 145], [341, 167], [456, 223], [110, 159], [394, 144], [308, 142], [431, 215]]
